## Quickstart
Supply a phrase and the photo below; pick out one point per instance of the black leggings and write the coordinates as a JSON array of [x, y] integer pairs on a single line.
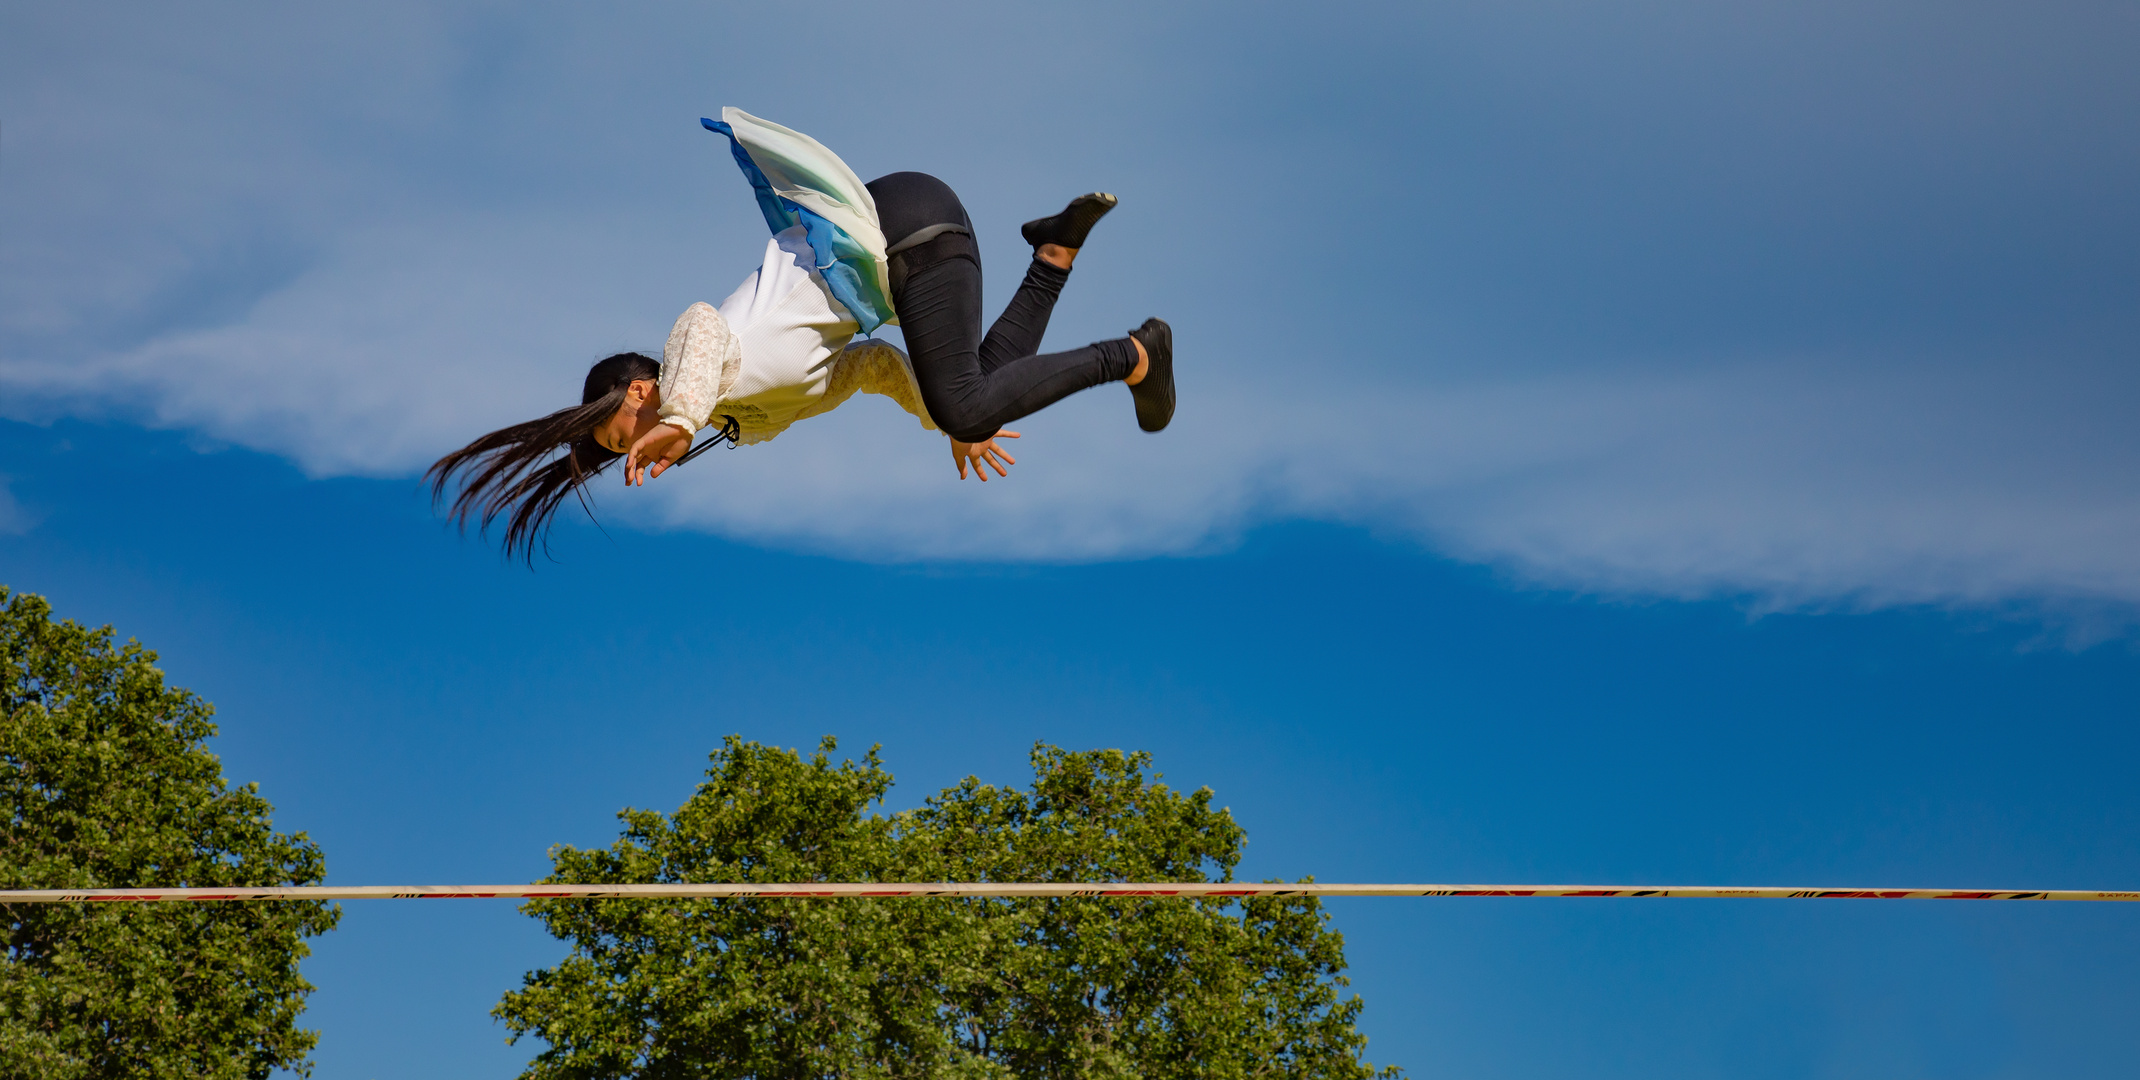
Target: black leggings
[[973, 385]]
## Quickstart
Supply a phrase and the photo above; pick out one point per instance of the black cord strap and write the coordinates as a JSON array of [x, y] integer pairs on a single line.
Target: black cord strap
[[731, 433]]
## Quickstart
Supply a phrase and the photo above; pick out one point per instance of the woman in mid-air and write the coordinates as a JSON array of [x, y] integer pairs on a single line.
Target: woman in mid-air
[[845, 258]]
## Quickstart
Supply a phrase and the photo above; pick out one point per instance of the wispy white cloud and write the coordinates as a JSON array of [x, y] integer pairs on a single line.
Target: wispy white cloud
[[1801, 484]]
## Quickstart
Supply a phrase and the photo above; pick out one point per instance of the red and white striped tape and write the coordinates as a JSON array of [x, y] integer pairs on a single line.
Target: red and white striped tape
[[822, 890]]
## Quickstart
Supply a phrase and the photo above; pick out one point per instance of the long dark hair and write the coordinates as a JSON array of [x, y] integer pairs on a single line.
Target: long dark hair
[[510, 473]]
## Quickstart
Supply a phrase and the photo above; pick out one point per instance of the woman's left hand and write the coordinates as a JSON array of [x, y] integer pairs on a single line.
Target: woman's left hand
[[659, 448], [983, 454]]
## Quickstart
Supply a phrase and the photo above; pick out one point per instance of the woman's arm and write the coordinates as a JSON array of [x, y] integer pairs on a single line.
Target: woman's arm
[[873, 367], [698, 365]]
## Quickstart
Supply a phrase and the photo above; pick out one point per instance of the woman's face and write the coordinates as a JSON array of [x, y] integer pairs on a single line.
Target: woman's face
[[641, 411]]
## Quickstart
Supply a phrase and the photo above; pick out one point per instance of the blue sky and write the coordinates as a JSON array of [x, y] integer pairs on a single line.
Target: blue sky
[[1622, 443]]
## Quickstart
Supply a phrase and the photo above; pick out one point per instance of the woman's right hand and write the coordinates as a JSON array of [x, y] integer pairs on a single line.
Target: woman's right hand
[[662, 446], [983, 453]]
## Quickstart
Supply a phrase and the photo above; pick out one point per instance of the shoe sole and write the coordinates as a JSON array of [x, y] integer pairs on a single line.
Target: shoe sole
[[1162, 412]]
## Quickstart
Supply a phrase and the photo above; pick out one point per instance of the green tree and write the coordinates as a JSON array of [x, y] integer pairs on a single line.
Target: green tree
[[105, 783], [1042, 989]]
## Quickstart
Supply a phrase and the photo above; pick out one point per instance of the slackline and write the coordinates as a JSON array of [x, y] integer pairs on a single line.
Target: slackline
[[828, 890]]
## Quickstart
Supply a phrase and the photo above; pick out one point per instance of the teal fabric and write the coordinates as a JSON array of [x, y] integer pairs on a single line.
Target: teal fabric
[[851, 268]]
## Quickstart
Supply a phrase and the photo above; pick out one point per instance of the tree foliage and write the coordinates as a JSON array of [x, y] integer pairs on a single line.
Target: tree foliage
[[105, 783], [1040, 989]]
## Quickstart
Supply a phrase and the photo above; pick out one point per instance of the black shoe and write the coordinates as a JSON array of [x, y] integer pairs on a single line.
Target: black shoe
[[1155, 394], [1069, 227]]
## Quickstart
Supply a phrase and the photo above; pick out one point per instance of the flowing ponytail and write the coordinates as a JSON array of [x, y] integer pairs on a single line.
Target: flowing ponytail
[[510, 473]]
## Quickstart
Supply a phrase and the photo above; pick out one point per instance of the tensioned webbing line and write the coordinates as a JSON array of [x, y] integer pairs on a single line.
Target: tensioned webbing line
[[827, 890]]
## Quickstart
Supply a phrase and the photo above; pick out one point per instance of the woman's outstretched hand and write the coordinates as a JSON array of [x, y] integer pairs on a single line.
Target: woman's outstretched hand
[[659, 448], [983, 454]]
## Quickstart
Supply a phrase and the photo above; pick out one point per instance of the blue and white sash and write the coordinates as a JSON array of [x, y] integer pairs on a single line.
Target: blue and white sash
[[799, 182]]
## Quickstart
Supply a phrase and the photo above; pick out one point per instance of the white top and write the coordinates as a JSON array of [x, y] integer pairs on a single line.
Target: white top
[[777, 351]]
